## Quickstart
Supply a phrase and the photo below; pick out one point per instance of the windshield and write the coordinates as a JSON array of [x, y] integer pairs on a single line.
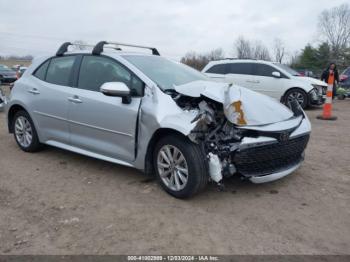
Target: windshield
[[163, 72], [288, 69]]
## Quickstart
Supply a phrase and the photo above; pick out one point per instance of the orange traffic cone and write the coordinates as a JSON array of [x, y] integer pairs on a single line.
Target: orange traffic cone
[[327, 108]]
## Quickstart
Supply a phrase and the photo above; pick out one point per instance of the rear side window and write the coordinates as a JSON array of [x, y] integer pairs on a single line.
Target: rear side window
[[96, 70], [217, 69], [264, 70], [60, 70], [41, 71], [240, 68]]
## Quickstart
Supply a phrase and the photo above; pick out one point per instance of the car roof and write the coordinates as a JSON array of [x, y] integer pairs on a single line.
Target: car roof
[[111, 53], [229, 61]]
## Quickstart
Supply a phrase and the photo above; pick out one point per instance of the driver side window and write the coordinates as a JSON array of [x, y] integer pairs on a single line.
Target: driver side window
[[97, 70]]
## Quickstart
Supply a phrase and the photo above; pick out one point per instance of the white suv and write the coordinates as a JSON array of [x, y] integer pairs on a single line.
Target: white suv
[[273, 79]]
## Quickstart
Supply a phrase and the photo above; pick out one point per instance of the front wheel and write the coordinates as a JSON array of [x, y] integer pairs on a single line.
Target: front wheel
[[298, 95], [180, 166]]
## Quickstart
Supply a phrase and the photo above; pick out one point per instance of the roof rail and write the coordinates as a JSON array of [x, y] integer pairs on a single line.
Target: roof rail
[[98, 49], [64, 47], [236, 58]]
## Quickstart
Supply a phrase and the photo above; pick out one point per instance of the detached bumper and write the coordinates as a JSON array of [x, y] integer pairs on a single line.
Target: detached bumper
[[264, 159]]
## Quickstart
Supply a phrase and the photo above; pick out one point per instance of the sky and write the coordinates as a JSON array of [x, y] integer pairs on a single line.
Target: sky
[[175, 27]]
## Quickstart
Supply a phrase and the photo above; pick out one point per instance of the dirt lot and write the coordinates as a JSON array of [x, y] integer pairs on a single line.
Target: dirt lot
[[57, 202]]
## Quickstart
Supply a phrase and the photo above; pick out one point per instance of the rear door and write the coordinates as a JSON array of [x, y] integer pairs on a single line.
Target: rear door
[[103, 124], [240, 74], [50, 86]]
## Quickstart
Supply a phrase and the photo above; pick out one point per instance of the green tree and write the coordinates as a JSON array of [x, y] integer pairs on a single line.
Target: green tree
[[323, 55], [308, 58]]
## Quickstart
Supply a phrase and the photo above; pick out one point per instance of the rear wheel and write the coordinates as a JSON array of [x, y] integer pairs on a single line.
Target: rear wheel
[[298, 95], [180, 166], [25, 133]]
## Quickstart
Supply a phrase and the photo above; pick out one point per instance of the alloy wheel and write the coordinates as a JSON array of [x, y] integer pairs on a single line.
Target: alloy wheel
[[296, 96], [23, 131], [172, 167]]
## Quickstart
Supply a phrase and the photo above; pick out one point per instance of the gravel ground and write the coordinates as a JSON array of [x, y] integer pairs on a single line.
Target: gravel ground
[[57, 202]]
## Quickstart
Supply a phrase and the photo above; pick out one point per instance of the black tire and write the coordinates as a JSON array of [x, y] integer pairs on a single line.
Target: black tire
[[197, 177], [298, 92], [35, 144]]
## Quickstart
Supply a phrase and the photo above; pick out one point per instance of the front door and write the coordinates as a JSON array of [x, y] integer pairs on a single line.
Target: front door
[[102, 124], [264, 82]]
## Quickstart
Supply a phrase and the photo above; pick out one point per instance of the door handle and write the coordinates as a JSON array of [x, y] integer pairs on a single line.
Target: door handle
[[252, 81], [34, 91], [75, 99]]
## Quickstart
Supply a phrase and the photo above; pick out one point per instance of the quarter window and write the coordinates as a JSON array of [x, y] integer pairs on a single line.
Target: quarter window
[[41, 71], [59, 71], [96, 70], [240, 68], [217, 69]]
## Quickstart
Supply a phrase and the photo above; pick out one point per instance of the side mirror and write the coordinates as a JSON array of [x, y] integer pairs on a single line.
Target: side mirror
[[276, 74], [118, 89]]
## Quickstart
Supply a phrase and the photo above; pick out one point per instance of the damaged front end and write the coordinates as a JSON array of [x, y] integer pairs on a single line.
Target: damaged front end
[[245, 133]]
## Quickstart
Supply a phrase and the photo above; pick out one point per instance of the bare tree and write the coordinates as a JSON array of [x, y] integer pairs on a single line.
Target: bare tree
[[260, 51], [199, 61], [243, 48], [216, 54], [334, 25], [294, 59], [279, 50]]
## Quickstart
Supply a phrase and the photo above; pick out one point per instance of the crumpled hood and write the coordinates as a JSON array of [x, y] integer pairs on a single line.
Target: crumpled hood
[[242, 106], [311, 80]]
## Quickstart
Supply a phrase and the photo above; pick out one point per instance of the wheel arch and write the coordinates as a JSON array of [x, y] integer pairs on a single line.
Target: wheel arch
[[157, 135], [294, 88], [12, 111]]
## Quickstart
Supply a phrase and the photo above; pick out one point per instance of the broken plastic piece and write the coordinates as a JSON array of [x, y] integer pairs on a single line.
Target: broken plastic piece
[[215, 168]]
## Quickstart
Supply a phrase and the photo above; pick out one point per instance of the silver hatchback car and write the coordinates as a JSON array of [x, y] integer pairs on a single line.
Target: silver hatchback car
[[162, 117]]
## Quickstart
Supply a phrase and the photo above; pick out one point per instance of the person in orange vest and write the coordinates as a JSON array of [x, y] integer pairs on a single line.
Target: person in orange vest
[[331, 73]]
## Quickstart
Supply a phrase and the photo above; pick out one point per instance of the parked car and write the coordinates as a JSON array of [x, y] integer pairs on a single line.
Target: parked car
[[306, 72], [344, 78], [7, 75], [155, 115], [2, 100], [273, 79]]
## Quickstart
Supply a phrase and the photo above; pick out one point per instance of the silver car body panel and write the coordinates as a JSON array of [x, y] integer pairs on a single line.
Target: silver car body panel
[[258, 109], [104, 128]]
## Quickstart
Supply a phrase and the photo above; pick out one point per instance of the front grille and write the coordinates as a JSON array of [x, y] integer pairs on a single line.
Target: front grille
[[271, 158]]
